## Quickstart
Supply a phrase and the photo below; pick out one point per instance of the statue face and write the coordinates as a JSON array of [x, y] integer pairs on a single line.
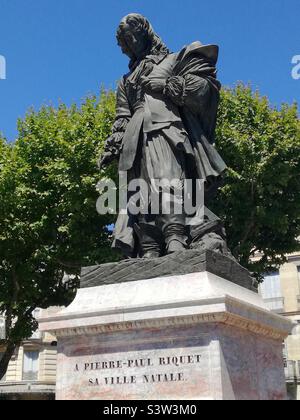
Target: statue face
[[133, 44], [125, 48]]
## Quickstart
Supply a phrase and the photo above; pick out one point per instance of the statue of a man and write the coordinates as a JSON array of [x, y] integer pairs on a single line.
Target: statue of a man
[[164, 130]]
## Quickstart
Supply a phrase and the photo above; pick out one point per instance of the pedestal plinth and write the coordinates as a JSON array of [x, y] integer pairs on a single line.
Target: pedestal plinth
[[190, 336]]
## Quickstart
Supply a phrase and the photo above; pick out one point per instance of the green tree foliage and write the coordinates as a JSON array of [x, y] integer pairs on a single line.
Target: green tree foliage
[[49, 224], [260, 202], [48, 219]]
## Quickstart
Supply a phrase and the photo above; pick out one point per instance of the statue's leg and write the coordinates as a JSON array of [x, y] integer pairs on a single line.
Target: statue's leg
[[163, 168], [149, 236], [172, 220]]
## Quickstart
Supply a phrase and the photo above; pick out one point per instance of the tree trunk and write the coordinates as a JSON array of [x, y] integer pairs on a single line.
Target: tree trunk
[[6, 357]]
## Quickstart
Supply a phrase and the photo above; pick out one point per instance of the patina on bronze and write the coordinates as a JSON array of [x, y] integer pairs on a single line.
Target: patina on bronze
[[165, 123]]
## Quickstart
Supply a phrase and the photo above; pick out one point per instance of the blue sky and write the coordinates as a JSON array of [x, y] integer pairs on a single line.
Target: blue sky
[[65, 49]]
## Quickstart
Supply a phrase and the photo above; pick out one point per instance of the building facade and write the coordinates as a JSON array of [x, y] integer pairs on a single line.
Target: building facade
[[281, 293], [31, 373]]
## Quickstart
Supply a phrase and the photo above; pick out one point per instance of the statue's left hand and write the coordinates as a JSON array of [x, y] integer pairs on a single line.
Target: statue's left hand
[[153, 84]]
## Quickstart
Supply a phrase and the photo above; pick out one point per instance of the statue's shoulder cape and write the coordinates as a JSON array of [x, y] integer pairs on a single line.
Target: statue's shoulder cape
[[209, 52]]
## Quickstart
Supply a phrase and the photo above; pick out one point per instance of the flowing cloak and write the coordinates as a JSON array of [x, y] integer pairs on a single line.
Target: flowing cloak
[[190, 98], [195, 88]]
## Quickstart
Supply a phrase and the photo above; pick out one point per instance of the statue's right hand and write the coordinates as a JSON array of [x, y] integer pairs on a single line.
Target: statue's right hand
[[104, 160]]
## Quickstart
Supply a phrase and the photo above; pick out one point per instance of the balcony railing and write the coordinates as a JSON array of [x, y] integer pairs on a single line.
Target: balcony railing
[[30, 376]]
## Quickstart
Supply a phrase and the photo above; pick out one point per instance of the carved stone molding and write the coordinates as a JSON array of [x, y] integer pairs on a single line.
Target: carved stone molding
[[223, 318], [189, 300]]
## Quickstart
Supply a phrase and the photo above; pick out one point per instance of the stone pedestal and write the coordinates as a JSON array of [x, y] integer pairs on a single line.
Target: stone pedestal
[[190, 336]]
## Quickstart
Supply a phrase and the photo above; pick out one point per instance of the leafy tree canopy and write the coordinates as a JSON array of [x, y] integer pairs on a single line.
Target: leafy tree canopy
[[49, 224], [260, 202], [48, 219]]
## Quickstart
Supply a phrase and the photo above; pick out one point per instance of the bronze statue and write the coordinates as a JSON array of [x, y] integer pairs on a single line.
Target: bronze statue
[[164, 129]]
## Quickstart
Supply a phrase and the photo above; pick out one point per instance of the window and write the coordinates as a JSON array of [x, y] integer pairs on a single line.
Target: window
[[298, 296], [290, 371], [285, 355], [298, 269], [30, 366], [271, 293], [2, 328], [4, 377]]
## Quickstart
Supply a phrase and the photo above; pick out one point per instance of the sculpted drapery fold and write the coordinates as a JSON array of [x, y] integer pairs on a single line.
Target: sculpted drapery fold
[[164, 130]]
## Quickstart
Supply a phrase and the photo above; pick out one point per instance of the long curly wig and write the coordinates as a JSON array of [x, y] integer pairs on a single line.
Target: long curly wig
[[140, 25]]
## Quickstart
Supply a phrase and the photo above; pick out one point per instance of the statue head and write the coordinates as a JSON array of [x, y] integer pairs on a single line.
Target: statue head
[[137, 38]]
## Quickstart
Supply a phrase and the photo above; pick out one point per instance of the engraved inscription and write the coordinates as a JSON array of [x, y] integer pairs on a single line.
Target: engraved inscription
[[149, 370]]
